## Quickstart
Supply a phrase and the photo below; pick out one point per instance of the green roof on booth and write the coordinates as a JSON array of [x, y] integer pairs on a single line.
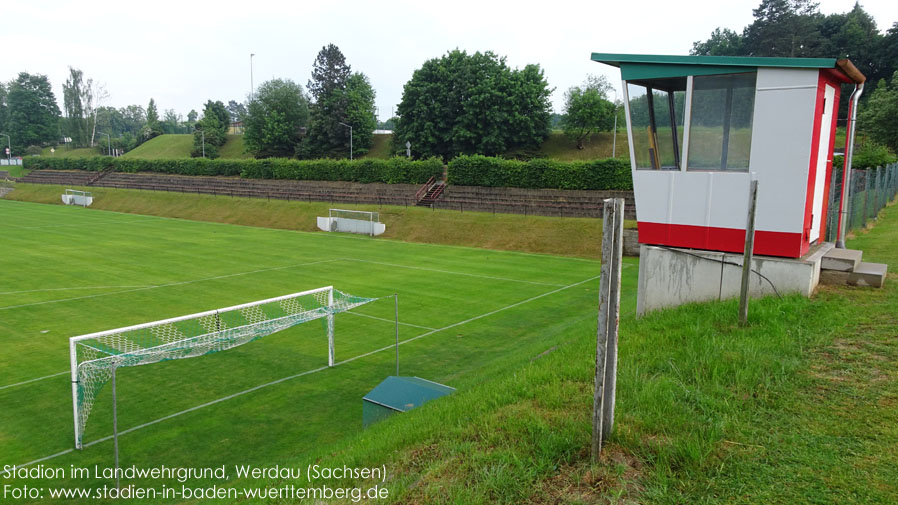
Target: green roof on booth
[[650, 66], [405, 393]]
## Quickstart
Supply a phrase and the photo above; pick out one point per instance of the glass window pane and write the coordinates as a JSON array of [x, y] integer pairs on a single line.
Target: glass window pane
[[639, 122], [656, 149], [720, 127]]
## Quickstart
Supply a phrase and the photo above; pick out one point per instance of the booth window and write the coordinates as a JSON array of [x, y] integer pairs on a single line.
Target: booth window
[[720, 122], [656, 116]]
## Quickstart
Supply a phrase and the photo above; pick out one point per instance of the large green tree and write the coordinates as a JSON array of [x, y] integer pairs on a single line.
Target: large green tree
[[153, 127], [472, 104], [587, 109], [329, 106], [211, 132], [74, 124], [276, 119], [32, 112], [879, 117]]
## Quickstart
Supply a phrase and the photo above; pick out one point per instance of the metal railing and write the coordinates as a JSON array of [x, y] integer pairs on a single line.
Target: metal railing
[[871, 190]]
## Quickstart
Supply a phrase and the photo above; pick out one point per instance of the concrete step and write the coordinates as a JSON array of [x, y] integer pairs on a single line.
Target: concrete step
[[841, 260], [865, 274]]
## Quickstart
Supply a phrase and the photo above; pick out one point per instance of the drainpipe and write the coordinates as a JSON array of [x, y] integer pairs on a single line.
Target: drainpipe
[[847, 67]]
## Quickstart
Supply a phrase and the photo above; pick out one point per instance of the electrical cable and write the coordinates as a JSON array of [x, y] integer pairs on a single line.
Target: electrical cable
[[725, 262]]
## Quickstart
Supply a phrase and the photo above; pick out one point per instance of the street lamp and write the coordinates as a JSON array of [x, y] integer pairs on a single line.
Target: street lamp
[[8, 149], [108, 143], [350, 139], [252, 88]]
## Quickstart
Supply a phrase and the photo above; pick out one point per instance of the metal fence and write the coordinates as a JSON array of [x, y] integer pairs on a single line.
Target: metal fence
[[870, 191]]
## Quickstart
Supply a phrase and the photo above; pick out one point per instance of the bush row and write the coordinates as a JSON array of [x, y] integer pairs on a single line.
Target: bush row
[[392, 171], [463, 170], [540, 173], [395, 170]]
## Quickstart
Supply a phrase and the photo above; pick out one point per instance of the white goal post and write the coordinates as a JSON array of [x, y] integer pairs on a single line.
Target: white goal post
[[352, 221], [77, 197], [96, 356]]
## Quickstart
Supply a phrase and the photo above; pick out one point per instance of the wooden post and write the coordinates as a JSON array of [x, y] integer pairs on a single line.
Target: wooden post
[[609, 315], [749, 250]]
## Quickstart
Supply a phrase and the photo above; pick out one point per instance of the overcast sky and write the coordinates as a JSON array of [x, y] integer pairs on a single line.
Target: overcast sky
[[184, 53]]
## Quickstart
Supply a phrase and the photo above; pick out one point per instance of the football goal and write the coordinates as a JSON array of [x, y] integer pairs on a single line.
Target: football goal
[[95, 357], [352, 221], [76, 197]]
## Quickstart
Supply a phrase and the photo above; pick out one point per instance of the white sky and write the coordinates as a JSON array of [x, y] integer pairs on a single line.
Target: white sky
[[184, 53]]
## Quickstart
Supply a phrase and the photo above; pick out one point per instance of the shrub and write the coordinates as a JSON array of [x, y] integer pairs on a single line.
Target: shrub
[[393, 171], [868, 155], [540, 173]]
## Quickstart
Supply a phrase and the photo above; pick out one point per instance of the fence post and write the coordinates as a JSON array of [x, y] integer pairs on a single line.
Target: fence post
[[608, 318], [749, 251]]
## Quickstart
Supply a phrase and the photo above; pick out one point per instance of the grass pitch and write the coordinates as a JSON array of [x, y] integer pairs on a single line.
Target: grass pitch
[[467, 315]]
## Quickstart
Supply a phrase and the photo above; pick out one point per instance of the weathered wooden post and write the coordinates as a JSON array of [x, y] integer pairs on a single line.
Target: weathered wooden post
[[609, 316], [749, 251]]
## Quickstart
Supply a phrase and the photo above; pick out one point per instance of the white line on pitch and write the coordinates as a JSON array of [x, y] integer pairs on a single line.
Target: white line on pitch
[[69, 289], [455, 273], [272, 383], [179, 283], [390, 320], [33, 380]]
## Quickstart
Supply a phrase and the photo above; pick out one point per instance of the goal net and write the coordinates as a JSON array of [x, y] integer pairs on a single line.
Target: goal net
[[95, 357], [76, 197]]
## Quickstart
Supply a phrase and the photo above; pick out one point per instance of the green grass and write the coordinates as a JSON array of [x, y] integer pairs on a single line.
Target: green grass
[[66, 152], [381, 147], [234, 148], [511, 232], [163, 147], [174, 146], [799, 407], [70, 271]]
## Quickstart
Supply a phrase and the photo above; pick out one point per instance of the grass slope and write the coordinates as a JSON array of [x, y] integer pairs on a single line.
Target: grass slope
[[468, 314], [381, 147], [172, 146], [413, 224], [163, 147], [799, 407]]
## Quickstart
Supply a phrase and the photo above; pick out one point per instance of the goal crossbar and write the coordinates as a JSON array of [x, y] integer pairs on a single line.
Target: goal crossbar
[[95, 356]]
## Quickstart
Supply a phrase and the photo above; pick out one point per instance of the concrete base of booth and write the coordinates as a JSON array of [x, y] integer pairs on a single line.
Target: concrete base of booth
[[669, 277]]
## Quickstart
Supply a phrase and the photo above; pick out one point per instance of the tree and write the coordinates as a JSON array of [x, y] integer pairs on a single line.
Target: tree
[[587, 109], [211, 132], [472, 104], [276, 119], [4, 109], [784, 28], [92, 97], [879, 117], [153, 127], [74, 125], [237, 110], [724, 42], [171, 121], [32, 112], [330, 74], [358, 109]]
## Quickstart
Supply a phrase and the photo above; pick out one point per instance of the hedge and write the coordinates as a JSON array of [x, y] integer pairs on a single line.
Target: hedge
[[393, 171], [540, 173], [463, 170]]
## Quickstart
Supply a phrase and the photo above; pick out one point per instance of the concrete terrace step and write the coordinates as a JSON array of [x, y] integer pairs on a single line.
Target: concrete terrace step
[[865, 274], [842, 260]]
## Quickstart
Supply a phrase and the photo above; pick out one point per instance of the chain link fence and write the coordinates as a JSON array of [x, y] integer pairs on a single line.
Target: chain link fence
[[870, 191]]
